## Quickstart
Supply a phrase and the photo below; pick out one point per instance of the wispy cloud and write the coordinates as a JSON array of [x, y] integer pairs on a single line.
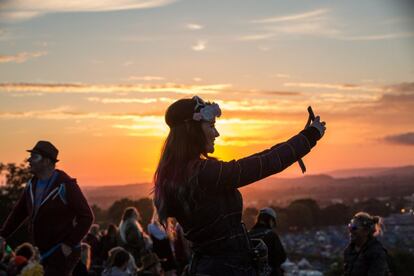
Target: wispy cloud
[[194, 26], [68, 113], [310, 15], [378, 37], [136, 124], [130, 100], [401, 139], [256, 37], [403, 87], [255, 105], [307, 28], [281, 76], [314, 22], [247, 117], [146, 78], [335, 86], [228, 105], [115, 88], [154, 125], [16, 16], [199, 46], [391, 109], [59, 113], [21, 57], [23, 10]]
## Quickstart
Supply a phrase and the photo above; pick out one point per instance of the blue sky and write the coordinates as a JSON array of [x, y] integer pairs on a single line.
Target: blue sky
[[349, 41]]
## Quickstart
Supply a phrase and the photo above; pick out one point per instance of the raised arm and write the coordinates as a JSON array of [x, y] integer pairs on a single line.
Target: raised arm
[[238, 173]]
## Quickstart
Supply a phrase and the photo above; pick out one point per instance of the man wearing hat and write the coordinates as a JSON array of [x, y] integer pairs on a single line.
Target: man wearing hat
[[57, 212], [265, 229]]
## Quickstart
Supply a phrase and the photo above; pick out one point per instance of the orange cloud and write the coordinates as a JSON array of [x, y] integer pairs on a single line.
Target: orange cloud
[[114, 88], [335, 86]]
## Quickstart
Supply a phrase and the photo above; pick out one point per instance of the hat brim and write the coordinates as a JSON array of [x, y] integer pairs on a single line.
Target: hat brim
[[43, 154]]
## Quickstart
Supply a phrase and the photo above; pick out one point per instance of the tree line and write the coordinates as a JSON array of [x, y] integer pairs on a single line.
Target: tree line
[[299, 215]]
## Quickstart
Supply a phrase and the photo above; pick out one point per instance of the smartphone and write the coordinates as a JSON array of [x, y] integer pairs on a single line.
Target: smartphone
[[311, 114]]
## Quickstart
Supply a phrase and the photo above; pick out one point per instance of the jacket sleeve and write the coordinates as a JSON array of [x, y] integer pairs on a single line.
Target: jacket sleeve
[[238, 173], [279, 250], [377, 263], [84, 216], [16, 217], [134, 238]]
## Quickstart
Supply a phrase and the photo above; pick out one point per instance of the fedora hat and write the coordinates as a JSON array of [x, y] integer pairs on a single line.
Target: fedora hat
[[46, 149]]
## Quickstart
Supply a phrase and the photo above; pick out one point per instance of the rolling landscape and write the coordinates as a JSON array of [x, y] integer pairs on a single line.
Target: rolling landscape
[[339, 186]]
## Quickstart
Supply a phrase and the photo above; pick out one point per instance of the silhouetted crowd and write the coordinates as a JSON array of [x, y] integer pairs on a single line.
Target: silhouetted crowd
[[126, 249]]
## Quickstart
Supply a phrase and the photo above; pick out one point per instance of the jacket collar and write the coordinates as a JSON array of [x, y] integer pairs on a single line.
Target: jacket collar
[[52, 188]]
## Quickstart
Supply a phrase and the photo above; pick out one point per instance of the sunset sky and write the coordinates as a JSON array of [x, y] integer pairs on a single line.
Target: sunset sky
[[95, 78]]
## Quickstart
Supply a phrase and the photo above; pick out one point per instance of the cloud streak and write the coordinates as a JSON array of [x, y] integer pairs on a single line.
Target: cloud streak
[[115, 88], [313, 23], [335, 86], [146, 78], [130, 100], [21, 57], [67, 113], [282, 76], [256, 37], [194, 26], [311, 15], [378, 37], [239, 132], [199, 46], [23, 10], [406, 139]]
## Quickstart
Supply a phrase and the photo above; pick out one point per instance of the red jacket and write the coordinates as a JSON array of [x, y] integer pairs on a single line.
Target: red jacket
[[63, 217]]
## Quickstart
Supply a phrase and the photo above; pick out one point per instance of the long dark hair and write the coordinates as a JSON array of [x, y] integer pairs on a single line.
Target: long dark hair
[[185, 143]]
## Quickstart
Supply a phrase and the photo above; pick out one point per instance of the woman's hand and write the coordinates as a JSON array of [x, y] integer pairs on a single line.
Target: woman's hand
[[320, 126]]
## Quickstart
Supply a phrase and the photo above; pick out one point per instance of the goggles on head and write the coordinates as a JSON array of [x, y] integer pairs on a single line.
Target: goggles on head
[[207, 112]]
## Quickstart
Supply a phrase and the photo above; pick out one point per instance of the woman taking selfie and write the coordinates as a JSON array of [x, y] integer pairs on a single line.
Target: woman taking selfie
[[202, 192]]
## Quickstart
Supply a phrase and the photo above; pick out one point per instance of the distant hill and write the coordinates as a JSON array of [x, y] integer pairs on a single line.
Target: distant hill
[[104, 196], [406, 170], [382, 182], [371, 182]]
